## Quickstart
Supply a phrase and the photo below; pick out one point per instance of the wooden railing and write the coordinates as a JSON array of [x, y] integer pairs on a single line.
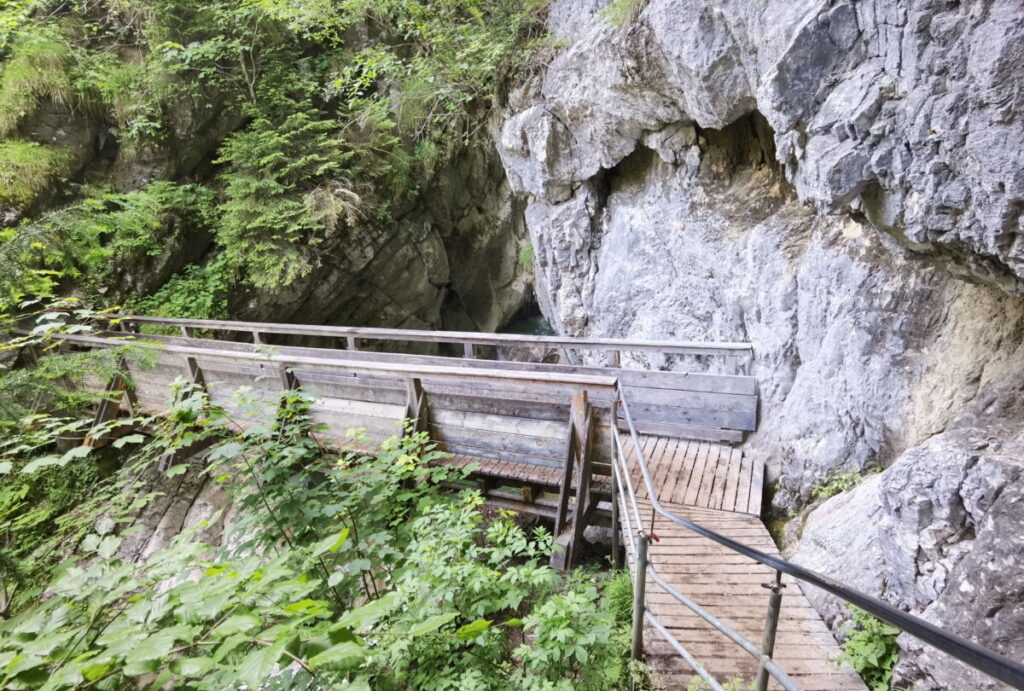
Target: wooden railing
[[736, 355]]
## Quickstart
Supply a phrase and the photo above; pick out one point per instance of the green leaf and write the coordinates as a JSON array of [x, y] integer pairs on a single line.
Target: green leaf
[[516, 623], [432, 623], [130, 439], [176, 470], [108, 546], [147, 654], [36, 464], [331, 543], [192, 667], [473, 629], [258, 663], [344, 655], [237, 623], [72, 454]]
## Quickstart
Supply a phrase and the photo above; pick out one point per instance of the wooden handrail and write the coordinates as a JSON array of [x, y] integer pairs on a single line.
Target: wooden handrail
[[545, 378], [469, 338]]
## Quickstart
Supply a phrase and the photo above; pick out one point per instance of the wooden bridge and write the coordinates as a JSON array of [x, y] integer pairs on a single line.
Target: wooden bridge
[[549, 440]]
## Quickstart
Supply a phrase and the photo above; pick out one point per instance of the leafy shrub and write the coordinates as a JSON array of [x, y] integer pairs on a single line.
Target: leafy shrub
[[196, 292], [340, 568], [99, 238], [871, 649]]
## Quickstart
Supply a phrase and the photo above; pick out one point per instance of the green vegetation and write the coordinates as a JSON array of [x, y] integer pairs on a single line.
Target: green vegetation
[[525, 258], [98, 239], [28, 167], [339, 567], [838, 483], [871, 649], [333, 113], [622, 13]]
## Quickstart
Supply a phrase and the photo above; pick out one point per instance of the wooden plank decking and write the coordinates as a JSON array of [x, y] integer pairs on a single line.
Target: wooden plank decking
[[719, 488]]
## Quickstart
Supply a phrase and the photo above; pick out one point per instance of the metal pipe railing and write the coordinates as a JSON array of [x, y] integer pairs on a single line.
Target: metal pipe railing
[[995, 665]]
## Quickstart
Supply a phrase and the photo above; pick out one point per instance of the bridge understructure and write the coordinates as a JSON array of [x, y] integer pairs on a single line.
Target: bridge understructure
[[655, 455]]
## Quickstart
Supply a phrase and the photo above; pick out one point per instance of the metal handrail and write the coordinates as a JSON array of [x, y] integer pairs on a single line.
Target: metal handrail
[[995, 665]]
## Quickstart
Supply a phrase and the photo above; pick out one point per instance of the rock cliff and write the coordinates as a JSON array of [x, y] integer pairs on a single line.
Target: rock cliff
[[840, 184]]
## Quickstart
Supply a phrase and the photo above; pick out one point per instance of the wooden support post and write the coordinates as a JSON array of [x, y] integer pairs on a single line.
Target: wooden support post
[[469, 350], [256, 341], [109, 406], [615, 358], [416, 404], [732, 365], [184, 332], [196, 373], [565, 483], [352, 342], [288, 379], [567, 535], [586, 504]]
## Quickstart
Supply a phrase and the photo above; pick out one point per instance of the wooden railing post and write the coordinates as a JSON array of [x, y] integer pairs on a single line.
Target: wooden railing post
[[352, 342], [469, 351]]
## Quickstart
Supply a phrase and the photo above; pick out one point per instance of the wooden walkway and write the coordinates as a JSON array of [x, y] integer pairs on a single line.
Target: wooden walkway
[[532, 428], [716, 486]]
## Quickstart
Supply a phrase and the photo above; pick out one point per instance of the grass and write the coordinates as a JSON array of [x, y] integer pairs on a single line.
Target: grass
[[35, 70], [27, 169]]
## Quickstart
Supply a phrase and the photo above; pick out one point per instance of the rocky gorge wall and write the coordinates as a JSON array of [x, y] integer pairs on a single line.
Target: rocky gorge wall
[[841, 185], [447, 257]]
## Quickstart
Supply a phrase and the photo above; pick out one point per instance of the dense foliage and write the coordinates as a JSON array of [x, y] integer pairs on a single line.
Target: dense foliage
[[338, 568], [323, 114]]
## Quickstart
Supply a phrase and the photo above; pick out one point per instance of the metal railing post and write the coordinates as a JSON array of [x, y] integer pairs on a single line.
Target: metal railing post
[[639, 587], [771, 624]]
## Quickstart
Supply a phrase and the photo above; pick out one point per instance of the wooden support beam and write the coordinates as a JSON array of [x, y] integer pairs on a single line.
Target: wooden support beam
[[289, 381], [109, 405], [565, 485], [585, 503], [195, 373]]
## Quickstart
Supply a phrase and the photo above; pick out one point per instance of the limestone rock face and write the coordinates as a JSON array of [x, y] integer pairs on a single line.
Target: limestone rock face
[[947, 544], [840, 184], [905, 112]]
